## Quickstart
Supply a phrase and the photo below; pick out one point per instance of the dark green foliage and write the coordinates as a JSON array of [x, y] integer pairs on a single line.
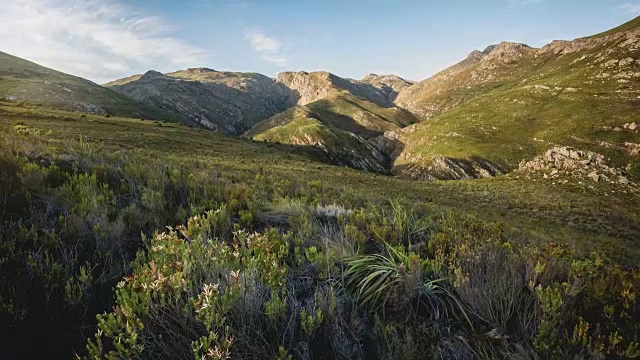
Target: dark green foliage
[[13, 202]]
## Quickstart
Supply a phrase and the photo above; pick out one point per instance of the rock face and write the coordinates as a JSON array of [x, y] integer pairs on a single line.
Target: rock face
[[389, 85], [224, 101], [307, 87], [314, 86]]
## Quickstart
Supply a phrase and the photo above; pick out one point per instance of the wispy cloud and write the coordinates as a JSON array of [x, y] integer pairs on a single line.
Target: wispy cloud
[[268, 47], [98, 40], [630, 8]]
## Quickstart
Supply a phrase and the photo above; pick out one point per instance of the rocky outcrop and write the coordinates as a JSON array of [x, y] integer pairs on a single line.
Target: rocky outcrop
[[310, 87], [389, 85], [507, 53], [625, 39], [562, 162], [633, 148]]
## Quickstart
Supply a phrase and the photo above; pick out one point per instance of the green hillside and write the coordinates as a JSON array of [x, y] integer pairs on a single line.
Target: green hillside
[[341, 124], [578, 93], [24, 81]]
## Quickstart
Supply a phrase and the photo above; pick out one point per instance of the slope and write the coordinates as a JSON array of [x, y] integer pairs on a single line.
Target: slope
[[343, 117], [27, 82], [228, 102], [513, 102]]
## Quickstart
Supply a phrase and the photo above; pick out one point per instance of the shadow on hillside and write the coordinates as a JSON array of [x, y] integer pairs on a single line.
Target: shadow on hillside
[[323, 111]]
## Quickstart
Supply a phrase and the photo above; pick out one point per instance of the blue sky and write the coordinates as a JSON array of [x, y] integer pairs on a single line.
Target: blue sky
[[108, 39]]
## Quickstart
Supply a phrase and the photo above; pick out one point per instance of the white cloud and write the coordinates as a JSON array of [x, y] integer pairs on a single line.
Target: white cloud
[[98, 40], [268, 47], [263, 43], [629, 8]]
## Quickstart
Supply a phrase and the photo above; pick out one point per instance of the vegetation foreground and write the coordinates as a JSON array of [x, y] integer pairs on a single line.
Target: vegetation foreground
[[127, 238]]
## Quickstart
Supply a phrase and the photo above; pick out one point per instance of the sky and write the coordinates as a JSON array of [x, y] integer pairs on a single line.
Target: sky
[[103, 40]]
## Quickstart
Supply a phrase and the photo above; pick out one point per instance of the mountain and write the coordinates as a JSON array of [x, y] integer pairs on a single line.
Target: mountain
[[310, 87], [479, 118], [481, 71], [389, 85], [229, 102], [24, 81], [512, 102], [343, 117]]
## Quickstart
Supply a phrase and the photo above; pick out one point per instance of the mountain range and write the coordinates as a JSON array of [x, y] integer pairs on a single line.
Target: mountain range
[[479, 118]]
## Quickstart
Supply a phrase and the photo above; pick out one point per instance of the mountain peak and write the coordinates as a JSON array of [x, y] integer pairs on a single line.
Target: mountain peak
[[152, 74], [506, 52], [477, 55], [383, 78], [199, 70]]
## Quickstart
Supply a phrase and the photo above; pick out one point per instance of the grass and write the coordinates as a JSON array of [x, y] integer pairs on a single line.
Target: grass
[[565, 213], [340, 124]]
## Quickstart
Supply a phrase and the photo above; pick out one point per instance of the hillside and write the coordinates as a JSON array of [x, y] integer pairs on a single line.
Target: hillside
[[27, 82], [512, 102], [301, 125], [342, 117], [228, 102]]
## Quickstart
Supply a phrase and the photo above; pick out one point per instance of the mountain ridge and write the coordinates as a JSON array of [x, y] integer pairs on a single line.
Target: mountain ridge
[[28, 82], [502, 106]]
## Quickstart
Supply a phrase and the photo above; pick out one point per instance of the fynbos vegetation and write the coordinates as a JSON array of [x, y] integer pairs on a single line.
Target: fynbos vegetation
[[175, 258]]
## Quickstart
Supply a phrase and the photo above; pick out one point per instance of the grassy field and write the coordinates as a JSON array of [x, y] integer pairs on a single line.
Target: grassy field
[[565, 213], [277, 252]]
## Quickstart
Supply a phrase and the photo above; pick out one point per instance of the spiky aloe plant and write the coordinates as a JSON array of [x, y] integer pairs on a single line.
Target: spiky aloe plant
[[379, 279]]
